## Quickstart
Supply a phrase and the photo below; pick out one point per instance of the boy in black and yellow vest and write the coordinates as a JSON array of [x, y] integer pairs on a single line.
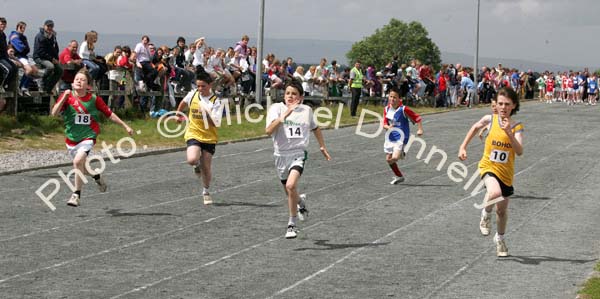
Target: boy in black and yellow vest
[[497, 168], [201, 134]]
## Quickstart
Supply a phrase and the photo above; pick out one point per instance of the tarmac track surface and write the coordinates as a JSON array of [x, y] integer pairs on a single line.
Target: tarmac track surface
[[150, 236]]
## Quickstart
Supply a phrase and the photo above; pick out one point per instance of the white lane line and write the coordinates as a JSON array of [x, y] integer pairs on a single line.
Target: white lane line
[[160, 234], [470, 263], [127, 211], [428, 216], [146, 286], [113, 249], [159, 204]]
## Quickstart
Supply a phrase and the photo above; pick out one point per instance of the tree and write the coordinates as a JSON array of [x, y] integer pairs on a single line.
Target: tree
[[408, 41]]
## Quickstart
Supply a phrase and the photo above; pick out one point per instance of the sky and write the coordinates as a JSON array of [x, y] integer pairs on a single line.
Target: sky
[[550, 31]]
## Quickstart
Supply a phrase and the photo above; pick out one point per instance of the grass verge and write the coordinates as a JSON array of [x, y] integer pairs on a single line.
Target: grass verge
[[591, 289], [28, 131]]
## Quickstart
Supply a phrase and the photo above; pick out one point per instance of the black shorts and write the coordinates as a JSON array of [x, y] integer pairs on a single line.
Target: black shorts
[[506, 190], [208, 147]]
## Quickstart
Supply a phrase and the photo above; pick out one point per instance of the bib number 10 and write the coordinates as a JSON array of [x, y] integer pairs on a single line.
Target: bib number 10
[[83, 119], [499, 156], [293, 132]]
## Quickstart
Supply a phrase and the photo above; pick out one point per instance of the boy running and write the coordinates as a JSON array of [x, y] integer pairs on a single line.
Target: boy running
[[201, 134], [395, 120], [81, 112], [289, 125], [496, 167]]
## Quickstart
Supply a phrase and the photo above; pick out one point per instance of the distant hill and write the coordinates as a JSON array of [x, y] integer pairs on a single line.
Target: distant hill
[[304, 51], [522, 65]]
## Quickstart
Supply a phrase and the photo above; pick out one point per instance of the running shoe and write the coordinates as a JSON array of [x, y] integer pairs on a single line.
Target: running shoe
[[501, 249], [74, 200], [101, 184], [292, 232], [485, 225], [302, 209], [207, 199], [397, 180]]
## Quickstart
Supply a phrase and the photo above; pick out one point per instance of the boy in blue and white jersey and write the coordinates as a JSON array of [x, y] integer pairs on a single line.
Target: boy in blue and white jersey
[[396, 120]]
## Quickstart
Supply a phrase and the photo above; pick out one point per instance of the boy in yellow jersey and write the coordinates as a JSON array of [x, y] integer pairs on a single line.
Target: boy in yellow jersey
[[201, 134], [504, 140]]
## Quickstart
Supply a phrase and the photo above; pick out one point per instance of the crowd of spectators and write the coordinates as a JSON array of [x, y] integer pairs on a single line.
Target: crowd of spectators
[[148, 67]]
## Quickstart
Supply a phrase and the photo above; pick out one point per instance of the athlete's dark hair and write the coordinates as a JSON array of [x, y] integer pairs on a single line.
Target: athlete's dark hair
[[512, 95], [295, 83], [202, 75]]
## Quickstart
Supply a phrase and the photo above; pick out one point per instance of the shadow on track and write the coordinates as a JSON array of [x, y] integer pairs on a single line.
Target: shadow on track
[[117, 213], [332, 246], [536, 260]]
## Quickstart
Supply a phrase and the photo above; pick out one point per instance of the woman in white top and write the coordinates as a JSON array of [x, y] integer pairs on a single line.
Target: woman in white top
[[299, 75], [86, 52]]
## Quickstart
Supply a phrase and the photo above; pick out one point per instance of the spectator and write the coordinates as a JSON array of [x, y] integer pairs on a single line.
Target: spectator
[[199, 60], [189, 54], [21, 46], [8, 70], [309, 79], [72, 62], [241, 49], [143, 61], [299, 75], [356, 84], [86, 52], [182, 75], [112, 57], [45, 53]]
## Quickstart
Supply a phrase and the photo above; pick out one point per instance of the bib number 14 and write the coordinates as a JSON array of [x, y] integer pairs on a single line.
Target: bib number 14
[[293, 132], [499, 156]]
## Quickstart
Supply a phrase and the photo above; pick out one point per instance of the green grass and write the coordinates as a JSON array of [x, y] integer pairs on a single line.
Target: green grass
[[591, 289], [28, 131]]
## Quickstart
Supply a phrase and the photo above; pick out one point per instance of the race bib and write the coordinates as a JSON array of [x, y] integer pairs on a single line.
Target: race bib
[[293, 132], [83, 119], [499, 156]]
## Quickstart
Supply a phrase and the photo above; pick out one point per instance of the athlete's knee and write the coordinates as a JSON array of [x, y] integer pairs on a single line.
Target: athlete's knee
[[501, 211], [290, 187], [192, 161], [79, 162]]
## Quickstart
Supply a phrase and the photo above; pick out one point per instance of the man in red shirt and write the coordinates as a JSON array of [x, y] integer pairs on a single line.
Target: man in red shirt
[[71, 62]]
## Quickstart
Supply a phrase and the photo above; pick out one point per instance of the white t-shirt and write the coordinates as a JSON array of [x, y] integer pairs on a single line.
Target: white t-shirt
[[84, 52], [214, 64], [292, 135], [142, 53]]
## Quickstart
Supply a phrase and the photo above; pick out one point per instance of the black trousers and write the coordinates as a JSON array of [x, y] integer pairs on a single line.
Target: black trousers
[[355, 99]]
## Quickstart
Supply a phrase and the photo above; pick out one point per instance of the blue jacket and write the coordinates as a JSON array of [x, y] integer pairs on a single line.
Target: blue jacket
[[19, 42]]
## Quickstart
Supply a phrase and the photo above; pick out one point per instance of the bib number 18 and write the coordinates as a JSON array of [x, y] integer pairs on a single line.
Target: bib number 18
[[83, 119]]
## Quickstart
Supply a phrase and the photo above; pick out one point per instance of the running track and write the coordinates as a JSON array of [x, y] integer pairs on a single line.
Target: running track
[[150, 236]]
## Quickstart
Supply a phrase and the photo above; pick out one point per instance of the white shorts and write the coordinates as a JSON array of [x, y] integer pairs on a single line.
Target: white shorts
[[286, 161], [390, 146], [85, 146], [570, 90], [549, 93]]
